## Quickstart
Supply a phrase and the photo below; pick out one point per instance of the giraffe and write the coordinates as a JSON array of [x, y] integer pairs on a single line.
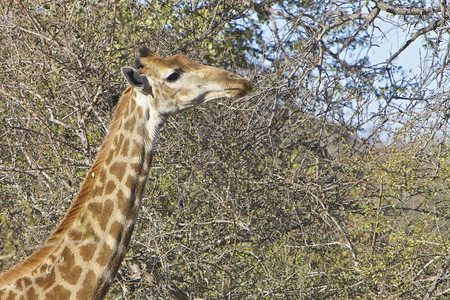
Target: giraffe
[[81, 257]]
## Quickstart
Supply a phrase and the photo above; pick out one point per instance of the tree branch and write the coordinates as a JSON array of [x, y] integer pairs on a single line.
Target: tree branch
[[407, 11]]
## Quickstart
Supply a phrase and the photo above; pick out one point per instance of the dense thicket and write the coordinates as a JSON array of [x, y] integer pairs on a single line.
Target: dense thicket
[[331, 179]]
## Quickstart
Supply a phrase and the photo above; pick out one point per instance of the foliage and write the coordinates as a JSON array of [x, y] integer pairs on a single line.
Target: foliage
[[330, 180]]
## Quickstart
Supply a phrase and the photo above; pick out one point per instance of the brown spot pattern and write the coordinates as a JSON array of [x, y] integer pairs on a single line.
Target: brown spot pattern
[[130, 124], [116, 229], [125, 148], [11, 296], [106, 214], [135, 168], [95, 208], [87, 250], [97, 191], [58, 292], [118, 145], [132, 105], [104, 255], [137, 149], [140, 111], [46, 280], [118, 169], [31, 293], [122, 202], [88, 286], [27, 281], [110, 187], [110, 156], [75, 235], [44, 268], [102, 176], [68, 270], [130, 182], [127, 112], [19, 283]]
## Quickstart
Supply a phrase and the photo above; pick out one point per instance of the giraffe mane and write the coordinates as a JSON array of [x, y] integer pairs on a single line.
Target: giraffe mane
[[44, 250]]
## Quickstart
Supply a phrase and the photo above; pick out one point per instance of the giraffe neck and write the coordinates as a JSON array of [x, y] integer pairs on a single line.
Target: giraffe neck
[[81, 257]]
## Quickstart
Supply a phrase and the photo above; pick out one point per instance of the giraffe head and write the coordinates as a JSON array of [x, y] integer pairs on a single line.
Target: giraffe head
[[177, 83]]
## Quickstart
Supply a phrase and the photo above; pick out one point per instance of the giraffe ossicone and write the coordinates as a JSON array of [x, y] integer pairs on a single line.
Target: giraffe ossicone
[[82, 255]]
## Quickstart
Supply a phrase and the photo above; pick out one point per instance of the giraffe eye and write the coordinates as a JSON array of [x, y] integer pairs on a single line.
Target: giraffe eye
[[172, 77]]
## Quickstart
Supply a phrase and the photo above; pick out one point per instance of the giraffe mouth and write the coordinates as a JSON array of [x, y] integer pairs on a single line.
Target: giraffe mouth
[[228, 92], [239, 90], [236, 92]]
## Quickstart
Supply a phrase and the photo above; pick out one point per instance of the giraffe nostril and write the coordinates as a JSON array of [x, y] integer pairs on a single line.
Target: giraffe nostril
[[234, 76]]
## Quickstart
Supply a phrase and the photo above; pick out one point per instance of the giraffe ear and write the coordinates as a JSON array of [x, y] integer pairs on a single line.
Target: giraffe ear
[[139, 82]]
